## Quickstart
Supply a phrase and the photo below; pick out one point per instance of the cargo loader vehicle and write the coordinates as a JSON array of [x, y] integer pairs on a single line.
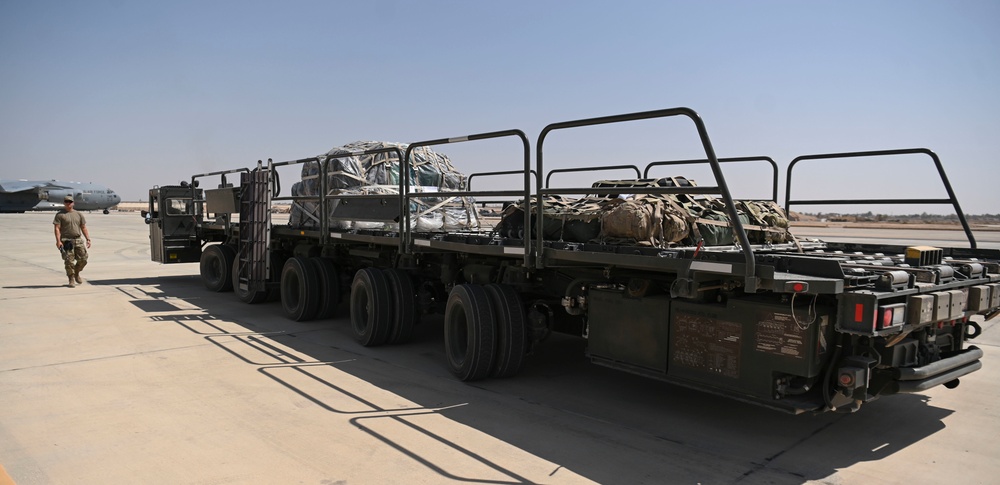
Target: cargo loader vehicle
[[662, 276]]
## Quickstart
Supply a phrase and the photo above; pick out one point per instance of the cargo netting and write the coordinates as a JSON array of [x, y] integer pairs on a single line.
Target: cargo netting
[[430, 173]]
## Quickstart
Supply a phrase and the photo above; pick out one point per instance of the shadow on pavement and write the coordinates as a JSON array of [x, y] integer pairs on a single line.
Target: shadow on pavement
[[608, 426]]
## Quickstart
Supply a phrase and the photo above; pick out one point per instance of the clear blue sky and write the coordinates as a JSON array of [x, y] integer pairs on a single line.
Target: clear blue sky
[[136, 93]]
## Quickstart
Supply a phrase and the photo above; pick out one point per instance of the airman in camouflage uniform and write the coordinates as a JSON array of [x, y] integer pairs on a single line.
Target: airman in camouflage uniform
[[70, 229]]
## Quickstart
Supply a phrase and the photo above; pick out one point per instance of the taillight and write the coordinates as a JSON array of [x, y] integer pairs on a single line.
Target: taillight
[[891, 315]]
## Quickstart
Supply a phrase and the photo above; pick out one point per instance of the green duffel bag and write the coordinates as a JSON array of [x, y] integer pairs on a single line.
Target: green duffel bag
[[571, 220], [715, 229]]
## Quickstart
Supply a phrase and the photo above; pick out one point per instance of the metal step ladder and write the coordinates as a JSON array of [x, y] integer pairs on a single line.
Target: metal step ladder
[[253, 256]]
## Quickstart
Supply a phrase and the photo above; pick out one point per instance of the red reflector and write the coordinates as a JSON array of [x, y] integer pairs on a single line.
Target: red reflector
[[846, 380], [798, 287], [887, 318], [859, 312]]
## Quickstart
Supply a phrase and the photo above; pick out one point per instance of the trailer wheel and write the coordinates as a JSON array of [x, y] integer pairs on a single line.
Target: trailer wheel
[[371, 307], [245, 295], [404, 308], [469, 332], [511, 330], [300, 289], [329, 287], [217, 266]]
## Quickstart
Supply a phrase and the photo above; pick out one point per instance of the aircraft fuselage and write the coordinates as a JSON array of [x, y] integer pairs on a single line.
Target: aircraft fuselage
[[25, 195]]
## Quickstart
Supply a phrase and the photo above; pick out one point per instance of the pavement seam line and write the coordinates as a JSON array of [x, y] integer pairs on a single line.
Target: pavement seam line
[[107, 357], [767, 461]]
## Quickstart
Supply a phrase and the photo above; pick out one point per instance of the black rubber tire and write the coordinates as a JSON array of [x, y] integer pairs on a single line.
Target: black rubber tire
[[245, 296], [469, 332], [512, 330], [404, 306], [217, 266], [300, 289], [329, 287], [371, 307]]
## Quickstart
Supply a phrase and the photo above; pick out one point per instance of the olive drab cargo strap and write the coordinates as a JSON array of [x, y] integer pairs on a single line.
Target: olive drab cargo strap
[[768, 219], [681, 220], [657, 220]]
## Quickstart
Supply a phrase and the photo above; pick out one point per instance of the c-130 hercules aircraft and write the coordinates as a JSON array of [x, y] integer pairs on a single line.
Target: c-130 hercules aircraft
[[25, 195]]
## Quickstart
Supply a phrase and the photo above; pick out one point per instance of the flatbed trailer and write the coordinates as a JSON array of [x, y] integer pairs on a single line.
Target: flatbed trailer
[[799, 325]]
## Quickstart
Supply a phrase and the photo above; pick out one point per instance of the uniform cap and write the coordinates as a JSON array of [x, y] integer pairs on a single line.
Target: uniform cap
[[68, 198]]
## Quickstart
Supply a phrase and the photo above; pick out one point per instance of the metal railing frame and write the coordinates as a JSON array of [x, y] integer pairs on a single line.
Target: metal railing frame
[[324, 197], [952, 199], [405, 222], [750, 281], [548, 177], [774, 167]]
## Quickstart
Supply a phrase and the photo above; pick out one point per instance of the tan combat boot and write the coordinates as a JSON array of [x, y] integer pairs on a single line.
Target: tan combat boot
[[79, 280], [72, 282]]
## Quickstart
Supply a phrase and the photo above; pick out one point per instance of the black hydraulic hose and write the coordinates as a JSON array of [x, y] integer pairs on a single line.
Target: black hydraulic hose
[[827, 398], [275, 183]]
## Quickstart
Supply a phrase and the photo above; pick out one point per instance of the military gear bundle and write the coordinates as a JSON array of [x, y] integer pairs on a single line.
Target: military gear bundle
[[658, 220]]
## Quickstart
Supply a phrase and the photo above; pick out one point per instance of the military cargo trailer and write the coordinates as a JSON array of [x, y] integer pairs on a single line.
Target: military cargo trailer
[[757, 315]]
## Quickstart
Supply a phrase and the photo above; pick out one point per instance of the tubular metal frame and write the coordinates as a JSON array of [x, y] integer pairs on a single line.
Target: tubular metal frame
[[750, 278], [774, 167], [406, 235], [952, 199]]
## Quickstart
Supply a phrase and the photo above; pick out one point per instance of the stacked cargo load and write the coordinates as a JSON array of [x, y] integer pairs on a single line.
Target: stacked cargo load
[[379, 173], [657, 220]]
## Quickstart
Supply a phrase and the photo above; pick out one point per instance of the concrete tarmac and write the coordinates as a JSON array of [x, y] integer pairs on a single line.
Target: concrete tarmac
[[141, 375], [902, 235]]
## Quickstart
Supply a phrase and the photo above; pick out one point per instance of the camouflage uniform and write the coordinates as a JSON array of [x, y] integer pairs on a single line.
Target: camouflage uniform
[[71, 231]]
